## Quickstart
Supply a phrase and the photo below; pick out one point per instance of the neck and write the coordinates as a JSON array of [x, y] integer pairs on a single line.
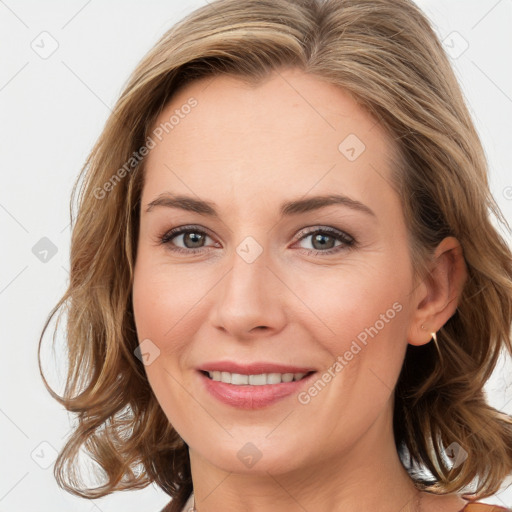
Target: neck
[[366, 478]]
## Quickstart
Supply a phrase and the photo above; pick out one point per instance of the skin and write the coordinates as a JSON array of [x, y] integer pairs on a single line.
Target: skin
[[249, 149]]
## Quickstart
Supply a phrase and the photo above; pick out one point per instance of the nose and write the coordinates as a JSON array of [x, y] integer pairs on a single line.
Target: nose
[[248, 302]]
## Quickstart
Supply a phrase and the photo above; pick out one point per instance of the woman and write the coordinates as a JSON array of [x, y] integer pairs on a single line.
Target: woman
[[286, 290]]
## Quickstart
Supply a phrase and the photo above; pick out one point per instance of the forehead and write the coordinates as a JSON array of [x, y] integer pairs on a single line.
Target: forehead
[[292, 131]]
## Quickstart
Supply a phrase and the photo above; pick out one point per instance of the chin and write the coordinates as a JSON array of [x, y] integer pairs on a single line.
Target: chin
[[253, 457]]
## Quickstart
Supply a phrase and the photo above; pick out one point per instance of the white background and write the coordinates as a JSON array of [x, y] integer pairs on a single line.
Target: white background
[[53, 109]]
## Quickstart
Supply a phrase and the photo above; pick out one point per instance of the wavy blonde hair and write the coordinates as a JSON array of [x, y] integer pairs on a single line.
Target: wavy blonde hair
[[385, 53]]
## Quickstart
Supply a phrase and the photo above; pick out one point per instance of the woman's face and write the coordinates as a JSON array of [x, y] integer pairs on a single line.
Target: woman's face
[[269, 271]]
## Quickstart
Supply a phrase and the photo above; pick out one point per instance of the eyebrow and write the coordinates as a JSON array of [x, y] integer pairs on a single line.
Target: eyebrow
[[288, 208]]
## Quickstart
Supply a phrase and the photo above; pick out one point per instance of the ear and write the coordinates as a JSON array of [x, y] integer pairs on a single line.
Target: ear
[[437, 296]]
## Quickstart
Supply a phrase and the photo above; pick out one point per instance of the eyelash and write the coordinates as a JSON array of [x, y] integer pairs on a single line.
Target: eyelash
[[348, 242]]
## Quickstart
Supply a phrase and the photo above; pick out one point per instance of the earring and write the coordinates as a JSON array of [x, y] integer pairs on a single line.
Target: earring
[[434, 337]]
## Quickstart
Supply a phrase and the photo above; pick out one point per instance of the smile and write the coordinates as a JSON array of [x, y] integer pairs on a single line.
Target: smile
[[253, 391]]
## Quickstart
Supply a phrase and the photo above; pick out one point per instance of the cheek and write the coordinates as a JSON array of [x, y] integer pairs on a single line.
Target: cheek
[[166, 301], [362, 315], [350, 299], [163, 305], [151, 306]]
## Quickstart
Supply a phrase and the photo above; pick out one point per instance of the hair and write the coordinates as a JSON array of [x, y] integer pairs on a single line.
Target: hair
[[386, 55]]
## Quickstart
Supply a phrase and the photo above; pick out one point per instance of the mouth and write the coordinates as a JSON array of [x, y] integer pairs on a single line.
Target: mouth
[[249, 391]]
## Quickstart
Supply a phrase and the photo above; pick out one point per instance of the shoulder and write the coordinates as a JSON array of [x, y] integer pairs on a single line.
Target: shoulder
[[483, 507], [457, 503]]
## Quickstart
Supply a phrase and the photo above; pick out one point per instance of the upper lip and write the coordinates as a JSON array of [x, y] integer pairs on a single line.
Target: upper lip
[[256, 368]]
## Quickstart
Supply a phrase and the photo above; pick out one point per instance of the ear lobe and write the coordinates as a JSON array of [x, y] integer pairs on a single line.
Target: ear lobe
[[440, 291]]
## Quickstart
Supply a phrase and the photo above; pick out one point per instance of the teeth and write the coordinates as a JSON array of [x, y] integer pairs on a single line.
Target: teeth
[[254, 380]]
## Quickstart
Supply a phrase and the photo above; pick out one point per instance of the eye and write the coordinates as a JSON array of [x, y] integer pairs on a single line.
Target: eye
[[192, 239], [323, 241], [185, 239]]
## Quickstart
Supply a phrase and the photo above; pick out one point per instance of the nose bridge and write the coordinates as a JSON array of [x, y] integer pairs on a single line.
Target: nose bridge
[[247, 295]]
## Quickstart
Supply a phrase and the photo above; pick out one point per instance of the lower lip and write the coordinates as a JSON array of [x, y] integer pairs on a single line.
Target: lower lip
[[252, 397]]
